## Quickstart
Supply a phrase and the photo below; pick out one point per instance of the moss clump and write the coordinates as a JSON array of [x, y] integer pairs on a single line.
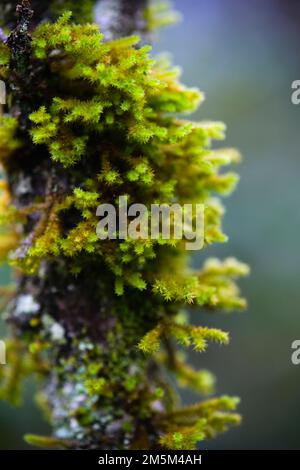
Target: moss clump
[[102, 317]]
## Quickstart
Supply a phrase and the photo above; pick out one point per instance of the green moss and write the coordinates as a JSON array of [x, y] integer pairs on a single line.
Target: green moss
[[107, 124], [82, 10]]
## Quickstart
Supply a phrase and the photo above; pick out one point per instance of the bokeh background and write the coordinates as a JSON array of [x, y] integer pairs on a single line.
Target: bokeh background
[[244, 54]]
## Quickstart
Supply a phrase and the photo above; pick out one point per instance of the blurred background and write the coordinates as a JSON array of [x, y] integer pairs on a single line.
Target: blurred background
[[244, 54]]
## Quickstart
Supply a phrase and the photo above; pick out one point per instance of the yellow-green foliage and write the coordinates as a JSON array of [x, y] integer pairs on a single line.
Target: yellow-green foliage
[[112, 127], [21, 365], [8, 142], [186, 335], [82, 10], [163, 157], [159, 15], [195, 423]]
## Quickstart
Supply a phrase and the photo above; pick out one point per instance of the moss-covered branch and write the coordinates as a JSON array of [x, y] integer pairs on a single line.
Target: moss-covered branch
[[91, 118]]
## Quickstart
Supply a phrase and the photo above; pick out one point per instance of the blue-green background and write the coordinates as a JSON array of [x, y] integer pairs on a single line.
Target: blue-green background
[[244, 54]]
